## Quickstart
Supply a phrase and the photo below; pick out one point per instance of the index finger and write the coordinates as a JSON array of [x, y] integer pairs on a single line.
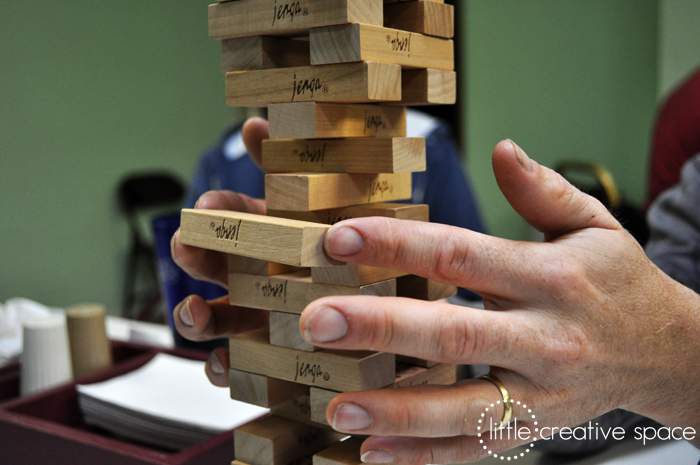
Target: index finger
[[484, 264]]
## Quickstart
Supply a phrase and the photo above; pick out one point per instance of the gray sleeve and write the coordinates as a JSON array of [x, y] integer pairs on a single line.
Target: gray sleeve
[[674, 223]]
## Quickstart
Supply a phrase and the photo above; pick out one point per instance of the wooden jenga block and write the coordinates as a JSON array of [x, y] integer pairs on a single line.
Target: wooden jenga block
[[277, 441], [348, 82], [328, 369], [263, 17], [361, 155], [308, 120], [360, 42], [353, 275], [417, 287], [263, 391], [428, 87], [291, 242], [342, 453], [305, 192], [292, 292], [284, 332], [263, 52], [320, 399], [425, 17], [406, 375], [247, 265], [401, 211], [298, 409]]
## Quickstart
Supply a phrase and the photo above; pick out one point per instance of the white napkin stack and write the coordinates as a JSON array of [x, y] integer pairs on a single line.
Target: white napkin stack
[[168, 403]]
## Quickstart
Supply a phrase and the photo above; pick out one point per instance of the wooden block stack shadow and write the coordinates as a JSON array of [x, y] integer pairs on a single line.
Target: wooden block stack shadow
[[336, 76]]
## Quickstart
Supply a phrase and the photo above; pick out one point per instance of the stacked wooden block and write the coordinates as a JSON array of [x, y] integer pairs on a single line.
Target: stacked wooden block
[[336, 76]]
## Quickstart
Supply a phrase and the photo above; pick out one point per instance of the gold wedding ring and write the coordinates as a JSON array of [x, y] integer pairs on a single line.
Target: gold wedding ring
[[507, 404]]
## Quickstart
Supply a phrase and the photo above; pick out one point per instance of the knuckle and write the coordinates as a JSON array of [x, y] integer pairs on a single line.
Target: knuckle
[[566, 280], [392, 248], [456, 338], [381, 331], [472, 412], [566, 350], [452, 261], [403, 420]]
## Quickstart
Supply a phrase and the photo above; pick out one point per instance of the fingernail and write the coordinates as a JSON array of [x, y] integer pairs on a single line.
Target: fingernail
[[351, 417], [344, 241], [186, 314], [215, 365], [378, 456], [523, 159], [325, 324]]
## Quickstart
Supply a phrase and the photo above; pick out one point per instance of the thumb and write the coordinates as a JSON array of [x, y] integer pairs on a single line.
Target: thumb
[[543, 197], [253, 132]]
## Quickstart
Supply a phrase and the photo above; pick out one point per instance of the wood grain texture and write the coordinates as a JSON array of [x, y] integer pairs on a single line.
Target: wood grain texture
[[263, 52], [340, 453], [428, 87], [277, 441], [284, 332], [347, 82], [264, 17], [292, 292], [401, 211], [308, 192], [418, 287], [329, 369], [319, 120], [263, 391], [357, 155], [247, 265], [406, 375], [298, 409], [291, 242], [320, 399], [353, 275], [424, 17], [360, 42]]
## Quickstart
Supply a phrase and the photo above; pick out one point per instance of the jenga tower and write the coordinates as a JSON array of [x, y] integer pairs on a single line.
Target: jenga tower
[[336, 76]]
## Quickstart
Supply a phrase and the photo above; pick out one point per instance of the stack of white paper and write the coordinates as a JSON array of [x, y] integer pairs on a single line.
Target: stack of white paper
[[168, 403]]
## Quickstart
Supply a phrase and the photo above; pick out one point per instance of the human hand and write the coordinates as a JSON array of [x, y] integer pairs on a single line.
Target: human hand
[[195, 318], [573, 327]]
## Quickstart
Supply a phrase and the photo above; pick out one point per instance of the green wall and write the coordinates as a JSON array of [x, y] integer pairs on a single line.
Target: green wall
[[565, 80], [88, 92], [679, 41]]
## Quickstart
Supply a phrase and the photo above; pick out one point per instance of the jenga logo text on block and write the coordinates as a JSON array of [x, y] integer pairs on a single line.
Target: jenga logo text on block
[[273, 290], [307, 87], [377, 189], [373, 123], [399, 42], [287, 11], [310, 370], [227, 231], [312, 154]]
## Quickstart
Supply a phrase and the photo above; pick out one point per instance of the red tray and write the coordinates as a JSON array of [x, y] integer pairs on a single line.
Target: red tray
[[48, 428]]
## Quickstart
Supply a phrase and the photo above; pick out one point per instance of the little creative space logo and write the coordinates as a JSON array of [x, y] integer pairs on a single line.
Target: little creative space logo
[[532, 431], [495, 431]]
